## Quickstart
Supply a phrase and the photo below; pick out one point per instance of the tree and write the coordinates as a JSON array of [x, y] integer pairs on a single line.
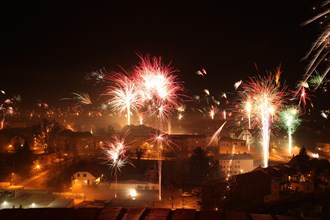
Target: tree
[[199, 166], [24, 159], [301, 161]]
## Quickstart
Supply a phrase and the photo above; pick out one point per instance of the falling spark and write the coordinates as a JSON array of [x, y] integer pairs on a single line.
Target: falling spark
[[203, 71], [237, 84], [207, 91], [278, 75], [199, 73], [325, 113]]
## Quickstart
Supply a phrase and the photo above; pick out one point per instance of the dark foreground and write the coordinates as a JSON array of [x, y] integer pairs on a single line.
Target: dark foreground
[[136, 213]]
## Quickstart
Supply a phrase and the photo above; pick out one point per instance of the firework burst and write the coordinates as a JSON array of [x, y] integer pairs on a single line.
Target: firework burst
[[316, 80], [159, 90], [262, 98], [158, 87], [96, 76], [124, 94], [290, 120], [114, 155]]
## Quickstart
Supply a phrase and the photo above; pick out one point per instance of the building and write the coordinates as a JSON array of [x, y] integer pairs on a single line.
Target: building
[[281, 175], [213, 194], [234, 164], [300, 183], [229, 145], [186, 143], [248, 188], [84, 178], [247, 136]]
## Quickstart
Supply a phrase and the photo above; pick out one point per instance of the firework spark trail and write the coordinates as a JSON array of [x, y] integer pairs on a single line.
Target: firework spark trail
[[266, 99], [216, 134], [80, 98], [248, 110], [213, 110], [264, 114], [290, 120], [320, 48], [124, 94], [224, 114], [159, 89]]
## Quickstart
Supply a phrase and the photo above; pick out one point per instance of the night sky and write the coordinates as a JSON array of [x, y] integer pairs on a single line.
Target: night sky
[[47, 48]]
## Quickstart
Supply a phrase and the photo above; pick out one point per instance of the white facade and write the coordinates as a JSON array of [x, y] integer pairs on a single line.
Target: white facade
[[247, 136], [234, 164], [83, 178]]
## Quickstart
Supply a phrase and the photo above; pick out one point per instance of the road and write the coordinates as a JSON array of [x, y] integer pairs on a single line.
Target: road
[[144, 198], [36, 182]]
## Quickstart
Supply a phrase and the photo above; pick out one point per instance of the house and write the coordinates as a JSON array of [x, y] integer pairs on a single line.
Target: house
[[324, 181], [281, 175], [247, 136], [248, 188], [233, 164], [300, 183], [84, 178]]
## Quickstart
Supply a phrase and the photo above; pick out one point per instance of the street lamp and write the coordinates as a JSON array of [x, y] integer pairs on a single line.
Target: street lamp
[[132, 194]]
